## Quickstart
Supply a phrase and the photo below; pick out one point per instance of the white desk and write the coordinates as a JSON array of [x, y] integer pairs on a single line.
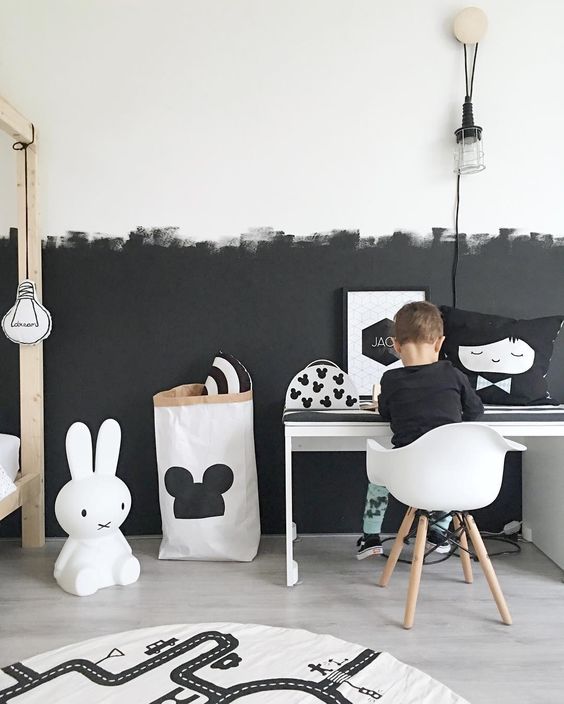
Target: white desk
[[543, 466]]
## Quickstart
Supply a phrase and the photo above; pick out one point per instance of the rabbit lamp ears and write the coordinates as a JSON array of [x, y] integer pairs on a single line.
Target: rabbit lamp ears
[[79, 449]]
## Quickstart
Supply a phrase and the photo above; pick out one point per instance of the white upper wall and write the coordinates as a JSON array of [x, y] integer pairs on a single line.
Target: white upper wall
[[304, 115]]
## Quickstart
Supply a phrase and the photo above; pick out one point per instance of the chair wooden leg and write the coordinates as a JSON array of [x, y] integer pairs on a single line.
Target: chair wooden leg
[[487, 567], [416, 567], [397, 547], [464, 556]]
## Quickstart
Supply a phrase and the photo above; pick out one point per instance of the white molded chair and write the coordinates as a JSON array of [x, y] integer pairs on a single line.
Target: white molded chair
[[453, 469]]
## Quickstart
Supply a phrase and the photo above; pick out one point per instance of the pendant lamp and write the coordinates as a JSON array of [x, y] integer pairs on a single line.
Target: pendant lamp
[[469, 27]]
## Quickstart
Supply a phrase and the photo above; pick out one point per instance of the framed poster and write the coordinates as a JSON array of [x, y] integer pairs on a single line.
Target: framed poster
[[368, 325]]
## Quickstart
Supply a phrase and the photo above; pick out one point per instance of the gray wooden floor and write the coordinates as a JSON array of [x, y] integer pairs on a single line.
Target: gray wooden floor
[[457, 636]]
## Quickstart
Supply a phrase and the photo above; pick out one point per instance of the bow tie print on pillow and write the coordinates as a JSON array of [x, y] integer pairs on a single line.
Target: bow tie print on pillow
[[504, 384]]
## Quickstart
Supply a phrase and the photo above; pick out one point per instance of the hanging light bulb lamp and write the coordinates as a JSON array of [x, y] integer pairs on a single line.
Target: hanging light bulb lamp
[[469, 27], [27, 322]]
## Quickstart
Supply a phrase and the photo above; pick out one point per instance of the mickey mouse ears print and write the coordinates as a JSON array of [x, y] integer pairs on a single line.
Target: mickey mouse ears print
[[322, 385], [198, 499], [506, 359]]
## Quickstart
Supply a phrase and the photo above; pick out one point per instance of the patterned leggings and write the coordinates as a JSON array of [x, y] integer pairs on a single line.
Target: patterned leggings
[[376, 505]]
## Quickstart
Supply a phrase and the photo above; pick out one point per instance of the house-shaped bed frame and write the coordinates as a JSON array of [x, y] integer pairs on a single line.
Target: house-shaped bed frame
[[29, 494]]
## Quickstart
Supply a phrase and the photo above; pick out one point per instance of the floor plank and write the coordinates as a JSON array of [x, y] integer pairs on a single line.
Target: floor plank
[[457, 636]]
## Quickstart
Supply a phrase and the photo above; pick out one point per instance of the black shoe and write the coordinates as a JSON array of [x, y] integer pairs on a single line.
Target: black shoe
[[369, 544], [437, 541]]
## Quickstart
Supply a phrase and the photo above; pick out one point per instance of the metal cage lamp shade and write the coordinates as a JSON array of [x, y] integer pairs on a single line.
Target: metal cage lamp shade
[[469, 152]]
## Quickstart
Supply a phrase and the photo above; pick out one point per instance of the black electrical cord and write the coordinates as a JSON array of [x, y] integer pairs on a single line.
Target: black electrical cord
[[466, 69], [473, 70], [469, 92], [456, 552], [456, 242], [18, 147], [456, 547]]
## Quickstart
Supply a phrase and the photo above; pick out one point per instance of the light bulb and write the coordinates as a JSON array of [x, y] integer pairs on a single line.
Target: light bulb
[[469, 151], [27, 322]]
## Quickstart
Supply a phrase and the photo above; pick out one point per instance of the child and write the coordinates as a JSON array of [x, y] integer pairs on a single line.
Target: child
[[423, 394]]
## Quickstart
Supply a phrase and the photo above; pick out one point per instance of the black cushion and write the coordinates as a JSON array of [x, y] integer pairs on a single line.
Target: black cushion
[[227, 376], [505, 359]]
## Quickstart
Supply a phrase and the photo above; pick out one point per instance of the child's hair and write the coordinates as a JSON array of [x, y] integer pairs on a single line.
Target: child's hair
[[420, 321]]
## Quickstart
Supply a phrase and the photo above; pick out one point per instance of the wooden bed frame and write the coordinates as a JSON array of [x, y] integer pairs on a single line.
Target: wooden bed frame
[[29, 494]]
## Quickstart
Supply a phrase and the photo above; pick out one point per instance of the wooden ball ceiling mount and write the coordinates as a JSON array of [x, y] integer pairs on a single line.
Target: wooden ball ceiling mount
[[470, 25]]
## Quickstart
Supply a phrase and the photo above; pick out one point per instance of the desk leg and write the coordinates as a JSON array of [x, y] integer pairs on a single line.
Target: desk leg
[[543, 494], [291, 564]]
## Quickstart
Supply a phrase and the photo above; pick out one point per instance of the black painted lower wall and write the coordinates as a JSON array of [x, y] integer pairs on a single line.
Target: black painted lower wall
[[135, 316]]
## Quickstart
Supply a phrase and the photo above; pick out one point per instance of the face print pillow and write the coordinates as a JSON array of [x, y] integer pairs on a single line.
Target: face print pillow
[[505, 359]]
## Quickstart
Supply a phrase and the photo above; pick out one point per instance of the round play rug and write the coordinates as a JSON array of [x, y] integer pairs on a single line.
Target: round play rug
[[217, 664]]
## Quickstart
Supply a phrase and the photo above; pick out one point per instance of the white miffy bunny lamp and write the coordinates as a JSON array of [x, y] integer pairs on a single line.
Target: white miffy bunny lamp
[[91, 508]]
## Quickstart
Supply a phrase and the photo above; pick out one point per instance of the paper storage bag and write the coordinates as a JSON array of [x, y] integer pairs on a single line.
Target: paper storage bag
[[207, 475]]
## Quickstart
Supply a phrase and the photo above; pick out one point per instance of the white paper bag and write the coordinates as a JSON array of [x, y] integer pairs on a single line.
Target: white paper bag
[[207, 475]]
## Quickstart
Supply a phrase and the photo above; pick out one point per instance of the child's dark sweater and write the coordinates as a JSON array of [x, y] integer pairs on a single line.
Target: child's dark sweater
[[419, 398]]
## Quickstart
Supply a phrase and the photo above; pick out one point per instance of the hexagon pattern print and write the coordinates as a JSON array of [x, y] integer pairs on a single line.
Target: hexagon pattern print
[[368, 333]]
